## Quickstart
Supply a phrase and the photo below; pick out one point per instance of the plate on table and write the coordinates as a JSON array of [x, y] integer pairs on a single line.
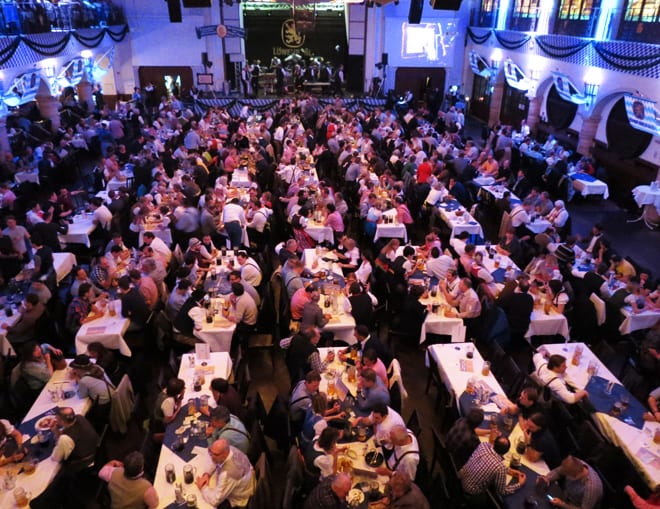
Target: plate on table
[[370, 487], [45, 423], [355, 497], [374, 459]]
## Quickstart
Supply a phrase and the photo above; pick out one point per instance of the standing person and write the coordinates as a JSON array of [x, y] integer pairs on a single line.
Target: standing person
[[254, 80], [233, 476], [338, 80], [126, 484], [245, 80]]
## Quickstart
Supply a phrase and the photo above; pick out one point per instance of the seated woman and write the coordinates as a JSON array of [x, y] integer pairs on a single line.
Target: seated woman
[[349, 256], [168, 404], [316, 419], [557, 295]]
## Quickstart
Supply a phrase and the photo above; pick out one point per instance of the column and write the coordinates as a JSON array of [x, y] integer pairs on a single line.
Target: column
[[49, 107], [496, 103], [533, 112], [85, 96], [587, 135], [4, 138]]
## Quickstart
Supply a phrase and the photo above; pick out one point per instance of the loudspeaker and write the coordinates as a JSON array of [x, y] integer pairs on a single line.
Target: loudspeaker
[[197, 3], [384, 59], [415, 12], [446, 5], [174, 10], [205, 59]]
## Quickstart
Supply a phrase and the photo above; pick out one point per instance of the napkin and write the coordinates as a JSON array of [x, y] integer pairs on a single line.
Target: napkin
[[467, 365]]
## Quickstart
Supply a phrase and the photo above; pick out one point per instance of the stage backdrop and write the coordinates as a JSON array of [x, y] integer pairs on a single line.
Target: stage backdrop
[[271, 34]]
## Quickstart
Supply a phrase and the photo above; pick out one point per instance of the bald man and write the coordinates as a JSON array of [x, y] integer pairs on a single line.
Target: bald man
[[228, 476], [405, 456], [330, 493]]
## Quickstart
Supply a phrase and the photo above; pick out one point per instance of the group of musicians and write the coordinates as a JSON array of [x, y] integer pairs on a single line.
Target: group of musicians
[[291, 75]]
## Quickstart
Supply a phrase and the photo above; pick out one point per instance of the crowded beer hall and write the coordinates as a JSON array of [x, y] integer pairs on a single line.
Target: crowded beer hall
[[329, 254]]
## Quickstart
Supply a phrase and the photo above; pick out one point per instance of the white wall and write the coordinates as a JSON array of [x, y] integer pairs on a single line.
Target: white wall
[[613, 85]]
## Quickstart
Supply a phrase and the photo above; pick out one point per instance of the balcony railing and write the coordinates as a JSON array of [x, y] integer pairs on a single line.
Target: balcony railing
[[19, 17]]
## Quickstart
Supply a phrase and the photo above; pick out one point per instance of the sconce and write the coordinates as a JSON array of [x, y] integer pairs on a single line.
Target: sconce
[[535, 74], [591, 91], [494, 68]]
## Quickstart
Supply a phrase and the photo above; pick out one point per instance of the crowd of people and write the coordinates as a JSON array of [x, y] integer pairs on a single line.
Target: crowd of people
[[347, 170]]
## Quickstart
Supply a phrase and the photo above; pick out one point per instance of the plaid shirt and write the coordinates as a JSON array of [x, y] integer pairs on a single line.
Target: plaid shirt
[[486, 468], [99, 275], [580, 493], [461, 441], [322, 497]]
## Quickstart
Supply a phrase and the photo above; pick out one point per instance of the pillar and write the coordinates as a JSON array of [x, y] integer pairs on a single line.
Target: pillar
[[587, 135], [4, 139], [496, 103], [49, 107], [533, 113], [85, 96]]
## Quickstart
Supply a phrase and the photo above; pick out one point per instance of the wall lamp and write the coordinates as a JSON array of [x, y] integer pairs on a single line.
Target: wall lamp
[[591, 92]]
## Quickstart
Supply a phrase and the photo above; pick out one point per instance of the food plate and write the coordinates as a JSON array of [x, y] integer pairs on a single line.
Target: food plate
[[374, 459], [355, 497], [45, 423]]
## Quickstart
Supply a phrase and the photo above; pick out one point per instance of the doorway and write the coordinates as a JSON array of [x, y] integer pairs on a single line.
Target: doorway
[[167, 80]]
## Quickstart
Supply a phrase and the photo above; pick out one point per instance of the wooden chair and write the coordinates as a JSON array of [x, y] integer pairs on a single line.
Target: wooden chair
[[414, 423]]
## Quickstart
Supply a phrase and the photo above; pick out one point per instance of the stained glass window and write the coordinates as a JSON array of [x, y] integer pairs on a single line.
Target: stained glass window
[[643, 10]]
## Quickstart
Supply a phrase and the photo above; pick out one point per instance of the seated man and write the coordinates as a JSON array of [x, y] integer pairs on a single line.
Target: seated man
[[233, 475], [371, 392], [541, 444], [126, 482], [224, 394], [485, 469], [301, 396], [463, 438], [384, 419], [25, 328], [330, 493], [582, 486], [133, 305], [81, 309], [405, 455], [551, 373], [229, 427]]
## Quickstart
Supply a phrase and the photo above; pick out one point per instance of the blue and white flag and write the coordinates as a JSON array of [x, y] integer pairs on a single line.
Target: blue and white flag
[[479, 66], [567, 90], [642, 114]]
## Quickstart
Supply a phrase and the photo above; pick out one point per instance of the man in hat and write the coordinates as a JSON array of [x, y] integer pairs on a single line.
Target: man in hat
[[93, 383], [126, 482]]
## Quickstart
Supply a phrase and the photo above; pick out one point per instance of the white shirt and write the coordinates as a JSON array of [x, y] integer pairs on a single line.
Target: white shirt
[[232, 480], [103, 217], [161, 249], [439, 266], [382, 430], [407, 463], [251, 273], [233, 212]]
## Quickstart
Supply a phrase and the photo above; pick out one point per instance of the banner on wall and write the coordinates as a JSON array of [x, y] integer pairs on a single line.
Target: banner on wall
[[23, 89], [566, 89], [220, 30], [479, 66], [515, 77], [642, 114]]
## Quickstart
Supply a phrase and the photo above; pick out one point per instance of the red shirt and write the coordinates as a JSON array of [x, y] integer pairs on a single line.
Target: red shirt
[[424, 171]]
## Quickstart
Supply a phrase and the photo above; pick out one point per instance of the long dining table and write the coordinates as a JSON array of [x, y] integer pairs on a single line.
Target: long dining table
[[623, 426], [108, 330], [59, 391], [194, 452]]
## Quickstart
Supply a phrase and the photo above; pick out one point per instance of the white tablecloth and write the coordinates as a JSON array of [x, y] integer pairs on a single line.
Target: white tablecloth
[[46, 469], [632, 440], [5, 346], [459, 224], [240, 178], [539, 225], [391, 231], [221, 364], [217, 334], [639, 321], [585, 188], [319, 232], [448, 358], [314, 263], [547, 325], [63, 263], [644, 195], [438, 323], [107, 330], [26, 176], [164, 234], [484, 181], [342, 325], [79, 231]]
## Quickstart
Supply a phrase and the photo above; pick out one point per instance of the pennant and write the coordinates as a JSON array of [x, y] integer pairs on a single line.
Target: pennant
[[479, 66], [567, 90], [514, 76], [221, 31]]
